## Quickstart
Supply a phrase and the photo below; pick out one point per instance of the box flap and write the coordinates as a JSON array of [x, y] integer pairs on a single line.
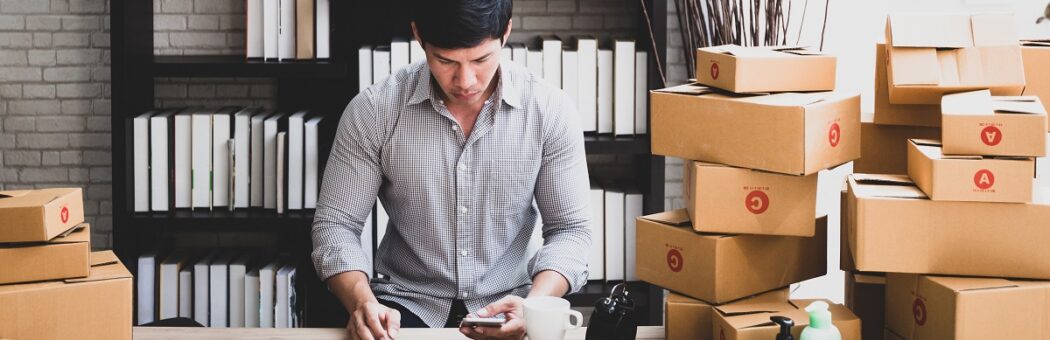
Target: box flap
[[973, 103], [104, 266], [76, 234], [993, 29], [884, 186], [1036, 43], [679, 217], [869, 279], [943, 30], [1018, 104], [798, 50], [32, 198], [13, 193], [687, 89], [962, 284], [789, 98], [753, 308]]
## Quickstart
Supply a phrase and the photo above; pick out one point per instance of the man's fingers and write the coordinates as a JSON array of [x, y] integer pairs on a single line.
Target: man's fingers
[[505, 304], [372, 321], [360, 331], [392, 322]]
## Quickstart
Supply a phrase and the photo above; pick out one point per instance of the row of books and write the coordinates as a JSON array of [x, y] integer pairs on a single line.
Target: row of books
[[218, 289], [287, 29], [230, 157], [610, 86], [613, 213]]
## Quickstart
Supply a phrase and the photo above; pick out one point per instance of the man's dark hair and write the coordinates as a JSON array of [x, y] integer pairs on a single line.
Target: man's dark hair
[[461, 23]]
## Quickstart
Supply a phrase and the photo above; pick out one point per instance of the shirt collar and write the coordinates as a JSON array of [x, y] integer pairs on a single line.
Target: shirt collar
[[507, 93]]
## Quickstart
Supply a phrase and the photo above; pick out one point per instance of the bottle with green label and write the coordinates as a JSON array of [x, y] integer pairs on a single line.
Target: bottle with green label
[[820, 326]]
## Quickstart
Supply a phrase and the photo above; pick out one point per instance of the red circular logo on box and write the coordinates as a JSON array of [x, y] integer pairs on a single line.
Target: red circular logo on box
[[984, 179], [918, 310], [714, 70], [991, 135], [64, 214], [756, 202], [834, 134], [674, 260]]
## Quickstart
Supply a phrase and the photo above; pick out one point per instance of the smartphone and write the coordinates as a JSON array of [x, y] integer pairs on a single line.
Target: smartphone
[[490, 322]]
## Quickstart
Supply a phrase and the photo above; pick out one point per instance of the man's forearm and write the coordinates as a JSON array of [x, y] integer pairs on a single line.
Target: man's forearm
[[352, 289], [549, 283]]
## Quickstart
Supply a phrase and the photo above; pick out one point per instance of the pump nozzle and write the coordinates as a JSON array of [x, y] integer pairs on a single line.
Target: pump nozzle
[[785, 327], [819, 316]]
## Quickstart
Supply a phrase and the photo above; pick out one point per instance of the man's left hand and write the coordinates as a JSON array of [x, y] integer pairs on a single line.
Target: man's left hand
[[513, 308]]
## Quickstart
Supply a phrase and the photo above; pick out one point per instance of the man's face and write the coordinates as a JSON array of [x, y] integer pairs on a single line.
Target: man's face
[[465, 74]]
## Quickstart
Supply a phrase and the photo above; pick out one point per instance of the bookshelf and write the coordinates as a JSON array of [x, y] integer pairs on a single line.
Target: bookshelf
[[325, 87]]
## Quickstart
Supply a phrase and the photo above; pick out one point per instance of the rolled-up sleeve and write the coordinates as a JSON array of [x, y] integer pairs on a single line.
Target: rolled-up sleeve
[[348, 191], [563, 197]]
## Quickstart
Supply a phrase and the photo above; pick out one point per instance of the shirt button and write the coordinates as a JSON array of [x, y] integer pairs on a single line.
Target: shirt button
[[463, 294], [455, 127], [463, 252], [463, 167], [462, 209]]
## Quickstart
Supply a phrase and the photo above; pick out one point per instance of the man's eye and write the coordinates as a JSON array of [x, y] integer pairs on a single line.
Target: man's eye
[[444, 62]]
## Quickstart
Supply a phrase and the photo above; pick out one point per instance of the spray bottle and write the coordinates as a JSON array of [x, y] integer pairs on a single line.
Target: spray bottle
[[820, 326]]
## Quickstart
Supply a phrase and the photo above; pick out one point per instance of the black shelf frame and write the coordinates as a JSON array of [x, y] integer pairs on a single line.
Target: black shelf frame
[[324, 86]]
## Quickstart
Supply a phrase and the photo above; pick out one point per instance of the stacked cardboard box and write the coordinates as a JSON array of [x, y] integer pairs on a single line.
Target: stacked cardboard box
[[51, 285], [755, 130]]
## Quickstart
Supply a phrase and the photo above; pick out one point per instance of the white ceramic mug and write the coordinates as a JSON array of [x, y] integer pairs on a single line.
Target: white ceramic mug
[[548, 317]]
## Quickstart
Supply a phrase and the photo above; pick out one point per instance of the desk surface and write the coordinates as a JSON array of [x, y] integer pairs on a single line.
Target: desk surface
[[144, 333]]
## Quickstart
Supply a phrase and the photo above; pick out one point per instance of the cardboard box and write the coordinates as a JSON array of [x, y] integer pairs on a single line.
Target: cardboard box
[[790, 133], [690, 319], [920, 307], [969, 178], [933, 54], [893, 227], [723, 199], [976, 123], [866, 297], [884, 148], [1036, 56], [63, 257], [751, 321], [721, 268], [95, 307], [765, 69], [39, 215], [886, 113]]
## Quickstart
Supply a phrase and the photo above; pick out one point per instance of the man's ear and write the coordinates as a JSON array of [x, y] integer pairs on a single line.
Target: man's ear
[[415, 34], [506, 35]]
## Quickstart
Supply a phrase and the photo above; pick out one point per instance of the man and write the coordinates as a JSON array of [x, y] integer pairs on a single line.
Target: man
[[457, 149]]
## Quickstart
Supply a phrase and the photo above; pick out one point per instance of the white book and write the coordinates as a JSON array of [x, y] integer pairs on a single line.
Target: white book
[[282, 172], [294, 154], [201, 285], [632, 210], [141, 161], [641, 92], [267, 279], [256, 158], [147, 283], [587, 79], [186, 291], [251, 299], [253, 26], [242, 140], [569, 74], [596, 260], [506, 53], [552, 60], [161, 129], [520, 53], [415, 52], [380, 64], [311, 169], [286, 30], [605, 91], [220, 156], [219, 290], [238, 278], [534, 62], [231, 150], [201, 159], [367, 230], [614, 235], [271, 15], [284, 308], [364, 68], [322, 22], [398, 55], [169, 284], [623, 87], [271, 126], [183, 159]]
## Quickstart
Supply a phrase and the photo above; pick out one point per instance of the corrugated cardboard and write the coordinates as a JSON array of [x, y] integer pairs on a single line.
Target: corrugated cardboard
[[63, 257], [893, 227], [1036, 55], [765, 69], [723, 199], [866, 297], [39, 215], [977, 123], [791, 133], [887, 113], [95, 307], [690, 319], [751, 321], [921, 307], [884, 148], [722, 268], [933, 54], [969, 178]]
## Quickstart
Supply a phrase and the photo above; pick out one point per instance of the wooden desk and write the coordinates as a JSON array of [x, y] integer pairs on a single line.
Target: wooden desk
[[150, 333]]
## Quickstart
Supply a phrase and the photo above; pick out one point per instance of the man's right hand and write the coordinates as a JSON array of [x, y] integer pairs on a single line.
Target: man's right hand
[[374, 321]]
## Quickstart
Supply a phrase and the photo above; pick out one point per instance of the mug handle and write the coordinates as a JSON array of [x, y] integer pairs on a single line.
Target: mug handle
[[579, 320]]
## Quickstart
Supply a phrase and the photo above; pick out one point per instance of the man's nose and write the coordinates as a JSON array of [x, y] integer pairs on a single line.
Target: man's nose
[[465, 78]]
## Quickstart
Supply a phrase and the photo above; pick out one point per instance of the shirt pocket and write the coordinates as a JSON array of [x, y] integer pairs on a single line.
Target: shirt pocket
[[508, 185]]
